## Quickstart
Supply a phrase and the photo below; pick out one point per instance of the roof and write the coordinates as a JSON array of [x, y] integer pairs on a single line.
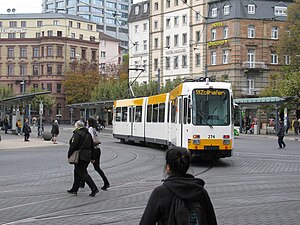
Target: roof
[[37, 16], [85, 105], [141, 15], [261, 101], [26, 97], [107, 37]]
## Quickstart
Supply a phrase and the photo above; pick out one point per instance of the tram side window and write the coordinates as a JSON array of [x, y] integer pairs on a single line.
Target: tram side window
[[138, 114], [173, 111], [161, 113], [130, 114], [118, 114], [155, 113], [185, 110], [124, 114], [149, 113]]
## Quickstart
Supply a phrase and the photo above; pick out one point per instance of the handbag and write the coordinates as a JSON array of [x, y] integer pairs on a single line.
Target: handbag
[[74, 158], [96, 139]]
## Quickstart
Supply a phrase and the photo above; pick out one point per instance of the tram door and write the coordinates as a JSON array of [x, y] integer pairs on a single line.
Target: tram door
[[176, 121], [131, 116]]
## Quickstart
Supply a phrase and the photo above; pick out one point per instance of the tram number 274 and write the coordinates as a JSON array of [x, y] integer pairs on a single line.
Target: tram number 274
[[211, 136]]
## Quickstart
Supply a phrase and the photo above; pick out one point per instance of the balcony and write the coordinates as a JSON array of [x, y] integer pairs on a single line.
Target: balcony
[[254, 66]]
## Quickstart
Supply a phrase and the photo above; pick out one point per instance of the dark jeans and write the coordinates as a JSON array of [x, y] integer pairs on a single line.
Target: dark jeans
[[281, 142], [80, 173], [26, 136]]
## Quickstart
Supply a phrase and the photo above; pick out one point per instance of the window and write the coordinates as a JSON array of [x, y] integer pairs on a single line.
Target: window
[[50, 33], [198, 60], [176, 21], [251, 9], [49, 51], [167, 63], [36, 52], [175, 62], [213, 34], [161, 112], [168, 41], [251, 58], [176, 40], [11, 35], [226, 10], [59, 69], [23, 70], [94, 52], [145, 26], [55, 22], [58, 88], [136, 46], [184, 39], [78, 25], [250, 85], [251, 31], [49, 69], [274, 58], [214, 12], [225, 56], [49, 88], [124, 114], [176, 2], [90, 27], [136, 28], [145, 8], [10, 69], [155, 43], [138, 114], [184, 61], [10, 52], [156, 6], [22, 35], [145, 45], [23, 23], [198, 16], [225, 32], [59, 51], [168, 3], [12, 23], [136, 10], [37, 34], [280, 11], [155, 25], [213, 58], [23, 52], [184, 19], [72, 53], [70, 23], [198, 35], [83, 54], [168, 23], [274, 33], [59, 33], [287, 60], [39, 23], [35, 70]]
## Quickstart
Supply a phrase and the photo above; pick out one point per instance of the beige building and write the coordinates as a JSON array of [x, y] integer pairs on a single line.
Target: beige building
[[36, 50]]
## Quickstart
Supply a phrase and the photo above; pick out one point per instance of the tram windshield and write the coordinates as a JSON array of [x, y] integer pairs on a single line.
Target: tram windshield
[[211, 107]]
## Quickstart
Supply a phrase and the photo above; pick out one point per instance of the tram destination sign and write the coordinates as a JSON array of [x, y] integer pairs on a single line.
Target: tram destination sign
[[209, 92]]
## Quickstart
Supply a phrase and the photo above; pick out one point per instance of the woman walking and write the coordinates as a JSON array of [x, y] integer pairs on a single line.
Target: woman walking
[[55, 131], [26, 130], [92, 127], [82, 140]]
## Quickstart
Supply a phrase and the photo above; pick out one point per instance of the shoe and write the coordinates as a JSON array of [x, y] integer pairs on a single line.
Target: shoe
[[279, 148], [72, 192], [105, 186], [94, 192]]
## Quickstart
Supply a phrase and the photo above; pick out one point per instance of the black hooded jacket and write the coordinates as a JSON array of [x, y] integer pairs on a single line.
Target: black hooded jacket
[[188, 188], [82, 139]]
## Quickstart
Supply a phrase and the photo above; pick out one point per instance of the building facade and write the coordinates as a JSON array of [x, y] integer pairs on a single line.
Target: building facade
[[37, 49], [138, 23], [229, 40], [110, 15]]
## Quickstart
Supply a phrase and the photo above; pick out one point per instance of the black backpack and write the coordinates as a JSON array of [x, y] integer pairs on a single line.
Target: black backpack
[[186, 213]]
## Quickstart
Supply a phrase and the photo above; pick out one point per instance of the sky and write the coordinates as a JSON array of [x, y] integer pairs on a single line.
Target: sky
[[26, 6]]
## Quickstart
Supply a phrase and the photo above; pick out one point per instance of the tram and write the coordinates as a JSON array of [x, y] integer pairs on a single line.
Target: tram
[[195, 115]]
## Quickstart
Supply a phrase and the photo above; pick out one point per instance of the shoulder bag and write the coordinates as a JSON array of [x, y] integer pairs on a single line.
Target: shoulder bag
[[74, 158]]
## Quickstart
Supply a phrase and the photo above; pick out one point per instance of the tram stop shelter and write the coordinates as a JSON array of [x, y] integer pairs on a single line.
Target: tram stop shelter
[[88, 109], [254, 103], [15, 106]]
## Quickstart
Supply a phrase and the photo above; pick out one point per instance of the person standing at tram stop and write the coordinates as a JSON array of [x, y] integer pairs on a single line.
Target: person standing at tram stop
[[92, 127], [82, 140], [163, 204], [280, 134], [19, 126], [55, 131], [26, 130]]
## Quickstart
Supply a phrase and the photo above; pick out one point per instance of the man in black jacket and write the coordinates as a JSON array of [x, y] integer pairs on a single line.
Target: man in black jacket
[[82, 140]]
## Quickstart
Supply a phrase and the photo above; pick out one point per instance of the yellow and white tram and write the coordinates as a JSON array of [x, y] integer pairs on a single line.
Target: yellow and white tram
[[195, 115]]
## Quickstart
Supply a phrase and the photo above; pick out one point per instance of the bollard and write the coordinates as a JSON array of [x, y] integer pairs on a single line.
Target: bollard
[[47, 136]]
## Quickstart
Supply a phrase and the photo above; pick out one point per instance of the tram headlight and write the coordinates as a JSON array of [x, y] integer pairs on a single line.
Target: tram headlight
[[226, 139]]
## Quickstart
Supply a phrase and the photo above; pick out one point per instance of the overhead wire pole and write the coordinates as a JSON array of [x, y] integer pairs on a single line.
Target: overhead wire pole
[[130, 84]]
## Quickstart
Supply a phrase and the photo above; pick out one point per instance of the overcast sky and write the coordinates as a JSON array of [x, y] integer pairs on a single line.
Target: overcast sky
[[26, 6]]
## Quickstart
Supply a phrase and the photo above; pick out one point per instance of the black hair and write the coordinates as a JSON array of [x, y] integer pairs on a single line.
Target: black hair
[[179, 160], [92, 123]]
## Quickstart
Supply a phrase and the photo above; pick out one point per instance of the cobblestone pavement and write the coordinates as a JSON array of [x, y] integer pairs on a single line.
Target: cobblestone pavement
[[259, 184]]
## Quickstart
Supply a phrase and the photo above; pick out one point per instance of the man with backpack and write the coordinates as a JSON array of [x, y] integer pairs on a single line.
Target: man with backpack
[[182, 199]]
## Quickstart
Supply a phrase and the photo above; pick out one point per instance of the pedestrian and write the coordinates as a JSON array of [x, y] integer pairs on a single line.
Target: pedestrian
[[26, 130], [19, 126], [6, 124], [296, 125], [280, 134], [179, 185], [287, 126], [82, 140], [92, 127], [55, 131]]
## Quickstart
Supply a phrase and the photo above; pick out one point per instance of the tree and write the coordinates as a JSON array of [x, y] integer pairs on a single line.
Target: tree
[[286, 81], [80, 82], [47, 99], [5, 92]]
